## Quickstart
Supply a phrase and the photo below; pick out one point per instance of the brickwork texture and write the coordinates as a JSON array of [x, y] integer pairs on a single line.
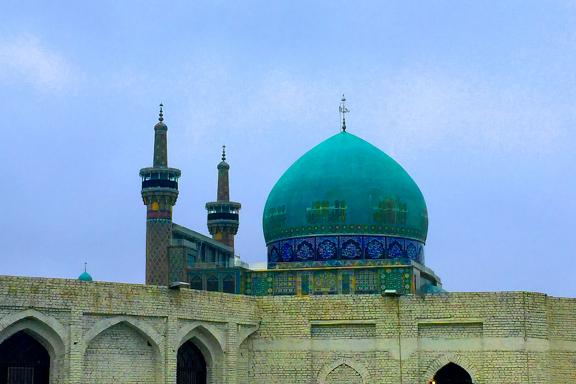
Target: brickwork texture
[[101, 333]]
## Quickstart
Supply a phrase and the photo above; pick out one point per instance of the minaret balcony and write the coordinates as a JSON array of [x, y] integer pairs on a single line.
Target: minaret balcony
[[223, 212], [222, 216], [159, 183], [159, 177]]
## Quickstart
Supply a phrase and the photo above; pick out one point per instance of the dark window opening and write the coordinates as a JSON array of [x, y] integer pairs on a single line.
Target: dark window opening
[[345, 283], [228, 284], [196, 282], [23, 360], [191, 366], [212, 283], [452, 374]]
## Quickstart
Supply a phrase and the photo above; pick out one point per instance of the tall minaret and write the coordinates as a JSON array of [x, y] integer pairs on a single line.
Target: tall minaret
[[159, 192], [223, 214]]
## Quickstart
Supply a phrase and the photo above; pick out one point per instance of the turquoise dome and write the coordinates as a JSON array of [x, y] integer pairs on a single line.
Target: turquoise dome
[[345, 185], [85, 276]]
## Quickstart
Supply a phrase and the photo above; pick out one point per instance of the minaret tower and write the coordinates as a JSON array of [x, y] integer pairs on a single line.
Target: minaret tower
[[223, 214], [159, 192]]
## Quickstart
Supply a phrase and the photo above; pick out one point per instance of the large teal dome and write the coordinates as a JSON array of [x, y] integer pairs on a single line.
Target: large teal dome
[[345, 186]]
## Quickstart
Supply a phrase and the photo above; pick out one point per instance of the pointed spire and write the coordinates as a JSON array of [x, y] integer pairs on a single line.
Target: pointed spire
[[343, 111], [85, 264], [223, 164], [161, 114]]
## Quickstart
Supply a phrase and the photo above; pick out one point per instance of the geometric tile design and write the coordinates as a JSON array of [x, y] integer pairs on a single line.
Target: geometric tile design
[[343, 250], [158, 235]]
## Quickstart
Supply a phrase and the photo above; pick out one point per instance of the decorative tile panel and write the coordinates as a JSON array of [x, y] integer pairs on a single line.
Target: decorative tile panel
[[284, 283], [366, 281], [304, 249], [325, 282], [351, 247], [341, 251], [286, 251], [327, 248]]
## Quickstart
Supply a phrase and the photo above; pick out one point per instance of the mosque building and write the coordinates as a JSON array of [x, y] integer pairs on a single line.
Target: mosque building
[[345, 218], [346, 296]]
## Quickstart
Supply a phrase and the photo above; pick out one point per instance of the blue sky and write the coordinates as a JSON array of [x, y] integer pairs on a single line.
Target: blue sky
[[476, 100]]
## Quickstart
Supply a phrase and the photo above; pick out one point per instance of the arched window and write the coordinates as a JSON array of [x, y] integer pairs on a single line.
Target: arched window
[[452, 374], [212, 283], [191, 366], [24, 360], [196, 282], [228, 284]]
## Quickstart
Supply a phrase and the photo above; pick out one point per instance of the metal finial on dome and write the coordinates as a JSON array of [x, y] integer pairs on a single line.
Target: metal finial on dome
[[161, 114], [343, 111], [223, 153], [85, 276]]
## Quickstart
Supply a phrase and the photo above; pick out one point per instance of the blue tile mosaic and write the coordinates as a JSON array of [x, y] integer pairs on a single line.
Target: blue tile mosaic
[[341, 250]]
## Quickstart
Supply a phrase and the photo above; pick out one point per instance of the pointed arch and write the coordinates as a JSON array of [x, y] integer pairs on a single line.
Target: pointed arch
[[444, 360], [211, 342], [152, 367], [47, 330], [209, 339], [327, 369], [141, 327]]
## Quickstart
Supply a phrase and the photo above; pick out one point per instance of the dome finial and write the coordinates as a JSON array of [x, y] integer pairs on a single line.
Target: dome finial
[[343, 112], [85, 276], [223, 153], [161, 114]]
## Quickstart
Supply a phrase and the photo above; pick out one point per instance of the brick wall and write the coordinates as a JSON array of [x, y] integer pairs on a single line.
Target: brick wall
[[120, 355], [343, 374], [107, 332]]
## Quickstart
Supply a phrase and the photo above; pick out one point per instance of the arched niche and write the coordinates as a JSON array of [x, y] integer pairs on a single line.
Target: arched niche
[[208, 340], [451, 361], [23, 359], [452, 374], [191, 365], [112, 345], [343, 371], [145, 330], [45, 330]]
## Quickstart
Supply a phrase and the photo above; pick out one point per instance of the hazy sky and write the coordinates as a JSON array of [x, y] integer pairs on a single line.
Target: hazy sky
[[475, 99]]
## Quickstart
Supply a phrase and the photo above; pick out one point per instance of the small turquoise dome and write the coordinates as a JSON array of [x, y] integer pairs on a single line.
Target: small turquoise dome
[[342, 186], [85, 276]]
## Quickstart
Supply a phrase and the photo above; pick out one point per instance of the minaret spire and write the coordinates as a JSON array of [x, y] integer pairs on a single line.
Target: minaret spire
[[159, 192], [223, 214], [160, 141], [223, 192], [343, 112]]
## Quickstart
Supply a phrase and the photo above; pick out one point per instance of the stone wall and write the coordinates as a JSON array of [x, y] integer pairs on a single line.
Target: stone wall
[[107, 332]]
